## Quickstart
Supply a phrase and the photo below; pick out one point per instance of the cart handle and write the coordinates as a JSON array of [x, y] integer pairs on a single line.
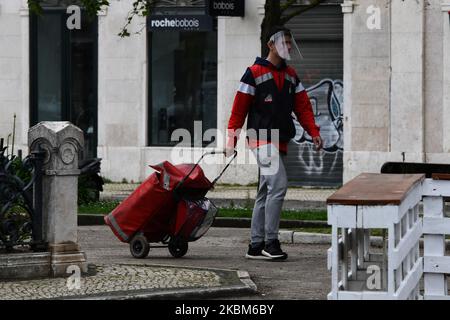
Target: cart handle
[[198, 162]]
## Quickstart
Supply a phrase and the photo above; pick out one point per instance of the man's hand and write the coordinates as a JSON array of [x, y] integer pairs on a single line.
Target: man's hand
[[318, 142], [229, 152]]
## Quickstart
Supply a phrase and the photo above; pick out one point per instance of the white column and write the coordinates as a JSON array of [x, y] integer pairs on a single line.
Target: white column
[[122, 94], [434, 246], [14, 73], [237, 47], [407, 99], [347, 9], [446, 81], [25, 114]]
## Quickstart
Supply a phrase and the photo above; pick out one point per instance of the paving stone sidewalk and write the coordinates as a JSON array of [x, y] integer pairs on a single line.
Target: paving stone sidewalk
[[215, 267], [127, 281]]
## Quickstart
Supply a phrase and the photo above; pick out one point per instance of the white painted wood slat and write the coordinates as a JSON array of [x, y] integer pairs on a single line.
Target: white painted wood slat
[[411, 281], [437, 264], [405, 245], [436, 225]]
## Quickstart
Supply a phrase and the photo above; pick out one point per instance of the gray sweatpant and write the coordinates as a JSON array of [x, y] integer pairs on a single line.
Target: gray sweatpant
[[271, 193]]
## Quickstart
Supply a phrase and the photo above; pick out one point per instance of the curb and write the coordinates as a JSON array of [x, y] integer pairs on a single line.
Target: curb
[[223, 222], [242, 203], [246, 287], [294, 237], [220, 222], [287, 204]]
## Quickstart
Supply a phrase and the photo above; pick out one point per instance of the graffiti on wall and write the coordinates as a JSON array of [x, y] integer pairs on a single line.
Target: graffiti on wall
[[327, 102]]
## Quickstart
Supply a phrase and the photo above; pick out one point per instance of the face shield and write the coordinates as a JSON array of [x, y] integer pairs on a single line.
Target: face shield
[[286, 46]]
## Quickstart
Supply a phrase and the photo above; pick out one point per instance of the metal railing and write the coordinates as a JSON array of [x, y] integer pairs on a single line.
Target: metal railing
[[21, 200]]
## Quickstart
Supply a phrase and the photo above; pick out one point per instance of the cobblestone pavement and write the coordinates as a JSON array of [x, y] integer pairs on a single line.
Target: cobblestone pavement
[[303, 276], [110, 279], [214, 267]]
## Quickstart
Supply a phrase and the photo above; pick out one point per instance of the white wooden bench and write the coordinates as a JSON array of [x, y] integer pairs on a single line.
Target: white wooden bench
[[376, 201], [435, 227]]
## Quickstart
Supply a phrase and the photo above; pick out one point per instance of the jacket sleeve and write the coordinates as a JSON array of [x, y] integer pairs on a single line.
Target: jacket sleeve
[[241, 106], [303, 110]]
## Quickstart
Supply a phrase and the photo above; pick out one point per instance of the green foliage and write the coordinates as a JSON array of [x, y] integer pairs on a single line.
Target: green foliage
[[326, 230], [139, 8], [85, 193], [99, 207], [313, 215], [18, 168], [103, 207], [35, 6], [87, 190], [92, 7], [278, 13], [106, 180]]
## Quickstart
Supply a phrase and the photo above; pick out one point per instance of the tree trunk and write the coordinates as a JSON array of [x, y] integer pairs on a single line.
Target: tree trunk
[[275, 14], [271, 18]]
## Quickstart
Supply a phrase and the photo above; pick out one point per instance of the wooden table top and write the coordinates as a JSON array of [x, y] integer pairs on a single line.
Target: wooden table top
[[440, 176], [375, 189]]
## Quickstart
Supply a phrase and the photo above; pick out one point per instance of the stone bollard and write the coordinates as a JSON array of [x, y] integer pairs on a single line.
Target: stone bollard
[[62, 143]]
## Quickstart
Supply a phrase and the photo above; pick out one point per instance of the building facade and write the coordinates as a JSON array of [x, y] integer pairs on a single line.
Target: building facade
[[396, 83], [132, 95]]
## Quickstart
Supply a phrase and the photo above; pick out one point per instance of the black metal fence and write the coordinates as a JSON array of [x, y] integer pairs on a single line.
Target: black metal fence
[[21, 200]]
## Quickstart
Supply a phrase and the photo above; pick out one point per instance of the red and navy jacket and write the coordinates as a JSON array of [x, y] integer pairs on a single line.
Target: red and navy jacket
[[268, 95]]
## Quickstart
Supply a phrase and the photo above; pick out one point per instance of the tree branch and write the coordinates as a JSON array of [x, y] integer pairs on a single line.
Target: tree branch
[[140, 7], [35, 6], [93, 6], [287, 5], [313, 4]]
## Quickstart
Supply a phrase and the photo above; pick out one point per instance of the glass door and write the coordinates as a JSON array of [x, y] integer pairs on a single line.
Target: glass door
[[183, 86], [63, 73]]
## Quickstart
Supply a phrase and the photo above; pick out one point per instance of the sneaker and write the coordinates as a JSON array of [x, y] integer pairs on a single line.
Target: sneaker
[[273, 251], [256, 252]]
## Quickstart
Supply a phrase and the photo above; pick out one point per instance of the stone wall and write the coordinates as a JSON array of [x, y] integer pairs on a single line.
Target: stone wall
[[395, 94], [14, 66], [123, 93]]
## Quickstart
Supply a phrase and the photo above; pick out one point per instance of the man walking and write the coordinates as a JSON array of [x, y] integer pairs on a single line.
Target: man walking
[[269, 92]]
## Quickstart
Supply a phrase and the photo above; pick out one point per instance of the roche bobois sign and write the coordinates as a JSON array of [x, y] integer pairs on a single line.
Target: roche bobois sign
[[230, 8], [180, 22]]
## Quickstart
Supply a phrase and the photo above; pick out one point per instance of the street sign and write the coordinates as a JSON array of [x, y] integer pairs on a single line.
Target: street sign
[[180, 23], [228, 8]]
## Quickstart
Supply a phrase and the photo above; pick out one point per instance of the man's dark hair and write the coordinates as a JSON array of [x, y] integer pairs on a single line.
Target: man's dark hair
[[276, 29]]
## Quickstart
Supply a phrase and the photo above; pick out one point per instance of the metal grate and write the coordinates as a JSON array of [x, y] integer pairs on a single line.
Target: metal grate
[[319, 33]]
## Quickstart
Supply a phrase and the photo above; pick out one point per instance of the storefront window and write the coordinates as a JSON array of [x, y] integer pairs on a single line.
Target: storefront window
[[64, 72], [183, 84]]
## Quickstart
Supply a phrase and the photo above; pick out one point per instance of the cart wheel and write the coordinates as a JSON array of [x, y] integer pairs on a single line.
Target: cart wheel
[[139, 246], [178, 247]]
